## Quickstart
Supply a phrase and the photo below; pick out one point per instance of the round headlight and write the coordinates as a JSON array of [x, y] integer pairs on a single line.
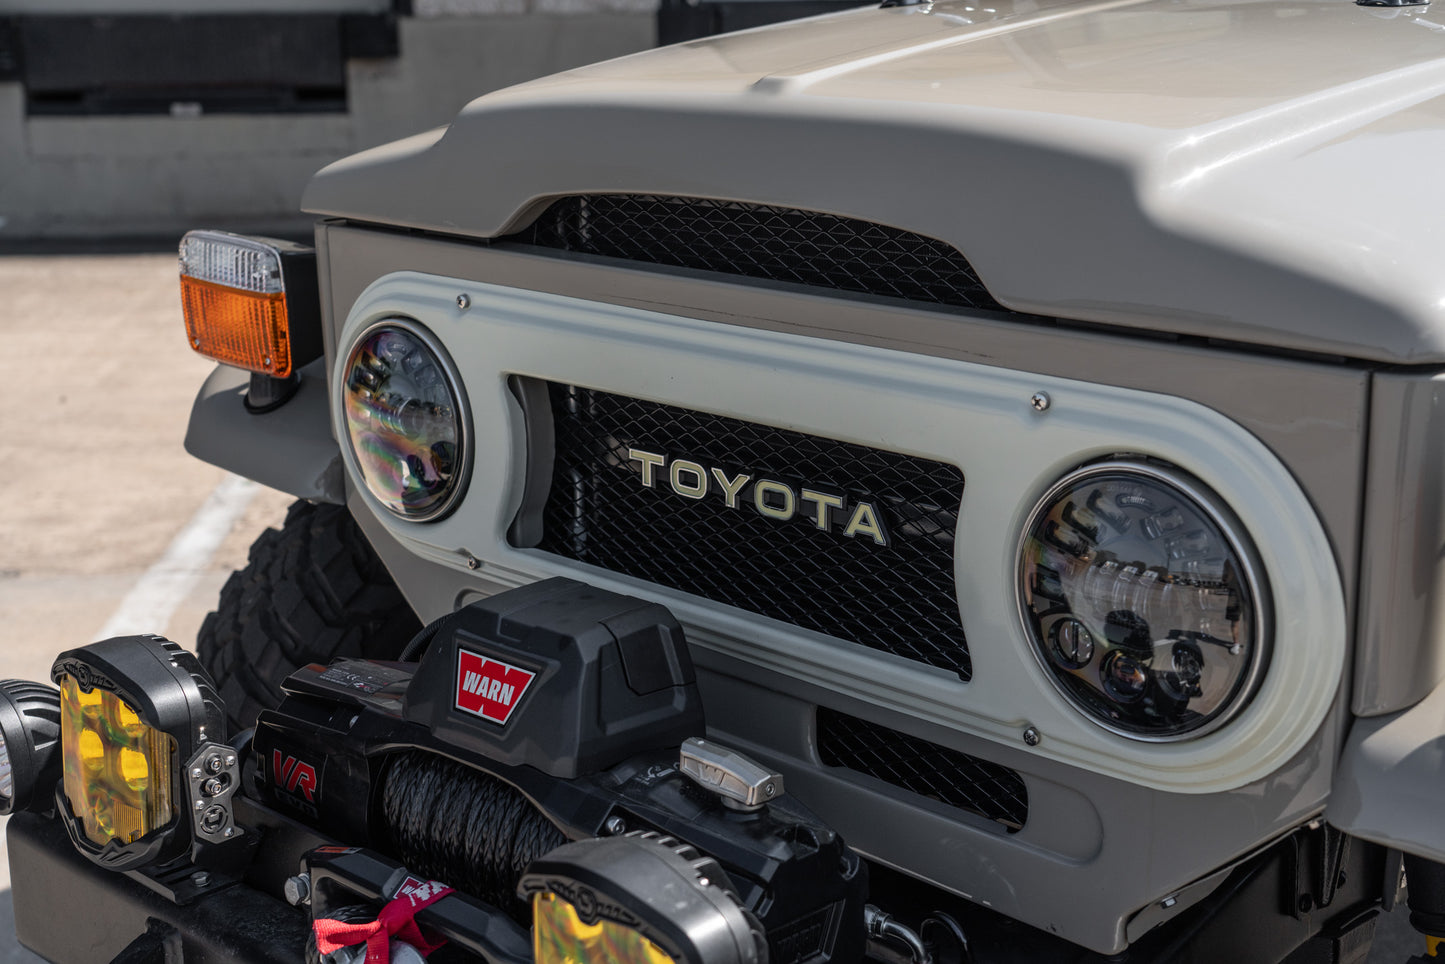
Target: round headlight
[[1143, 599], [405, 418]]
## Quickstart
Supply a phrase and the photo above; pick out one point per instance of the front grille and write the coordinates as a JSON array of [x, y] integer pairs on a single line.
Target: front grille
[[899, 597], [760, 241], [987, 789]]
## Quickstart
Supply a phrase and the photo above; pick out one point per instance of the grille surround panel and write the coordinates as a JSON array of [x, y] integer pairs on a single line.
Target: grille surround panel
[[951, 777], [764, 242], [899, 598]]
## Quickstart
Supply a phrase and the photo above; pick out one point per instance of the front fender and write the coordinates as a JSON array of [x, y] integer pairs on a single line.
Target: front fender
[[1390, 785], [290, 448]]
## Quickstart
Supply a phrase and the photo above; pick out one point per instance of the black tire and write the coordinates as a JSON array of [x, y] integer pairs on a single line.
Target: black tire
[[311, 591]]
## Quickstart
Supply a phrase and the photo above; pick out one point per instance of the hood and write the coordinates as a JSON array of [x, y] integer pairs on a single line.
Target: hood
[[1259, 172]]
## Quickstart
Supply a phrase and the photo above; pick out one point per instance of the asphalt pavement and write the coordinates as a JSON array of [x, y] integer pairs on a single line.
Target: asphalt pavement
[[101, 510]]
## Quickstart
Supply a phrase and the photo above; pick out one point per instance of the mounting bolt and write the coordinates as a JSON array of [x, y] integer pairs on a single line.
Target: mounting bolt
[[200, 878], [197, 773], [1032, 736], [214, 764], [213, 819], [473, 563], [230, 759], [463, 302], [1040, 401], [298, 890], [615, 826]]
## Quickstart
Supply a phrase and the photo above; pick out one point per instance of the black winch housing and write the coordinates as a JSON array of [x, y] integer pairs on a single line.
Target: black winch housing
[[542, 715]]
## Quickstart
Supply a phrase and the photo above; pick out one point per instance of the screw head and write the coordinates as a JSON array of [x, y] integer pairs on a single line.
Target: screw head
[[473, 562], [1032, 736], [214, 764], [200, 878], [463, 302], [230, 759], [197, 773], [1040, 401], [615, 826], [769, 789]]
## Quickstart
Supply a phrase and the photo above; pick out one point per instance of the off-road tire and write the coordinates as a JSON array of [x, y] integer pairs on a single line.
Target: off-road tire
[[311, 591]]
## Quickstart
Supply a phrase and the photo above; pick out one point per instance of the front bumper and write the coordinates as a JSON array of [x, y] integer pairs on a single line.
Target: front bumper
[[68, 910]]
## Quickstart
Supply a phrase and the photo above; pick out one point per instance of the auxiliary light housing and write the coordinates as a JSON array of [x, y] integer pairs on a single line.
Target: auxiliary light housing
[[637, 899], [145, 776], [29, 745]]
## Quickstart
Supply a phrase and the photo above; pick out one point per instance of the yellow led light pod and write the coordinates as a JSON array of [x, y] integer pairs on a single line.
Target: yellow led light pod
[[641, 898], [117, 770], [144, 776], [559, 936]]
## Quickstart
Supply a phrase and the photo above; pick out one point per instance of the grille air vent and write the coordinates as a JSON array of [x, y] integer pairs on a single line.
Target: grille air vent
[[986, 789], [760, 241]]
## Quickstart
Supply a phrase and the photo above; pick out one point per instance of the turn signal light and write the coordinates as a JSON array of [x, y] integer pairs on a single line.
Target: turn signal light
[[238, 309]]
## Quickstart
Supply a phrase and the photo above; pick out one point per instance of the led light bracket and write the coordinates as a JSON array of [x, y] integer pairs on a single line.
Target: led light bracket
[[213, 775]]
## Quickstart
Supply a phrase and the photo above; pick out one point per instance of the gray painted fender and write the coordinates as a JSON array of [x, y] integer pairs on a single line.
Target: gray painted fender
[[1390, 786], [290, 449]]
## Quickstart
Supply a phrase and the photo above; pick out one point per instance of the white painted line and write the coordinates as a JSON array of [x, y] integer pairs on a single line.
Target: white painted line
[[148, 607]]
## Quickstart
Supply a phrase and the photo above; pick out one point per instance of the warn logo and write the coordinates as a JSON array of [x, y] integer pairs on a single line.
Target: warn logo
[[488, 688]]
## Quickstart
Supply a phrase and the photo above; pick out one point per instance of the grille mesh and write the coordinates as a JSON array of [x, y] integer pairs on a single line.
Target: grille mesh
[[986, 789], [899, 597], [759, 241]]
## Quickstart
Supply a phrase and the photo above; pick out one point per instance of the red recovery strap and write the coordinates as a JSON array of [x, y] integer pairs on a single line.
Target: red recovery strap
[[397, 919]]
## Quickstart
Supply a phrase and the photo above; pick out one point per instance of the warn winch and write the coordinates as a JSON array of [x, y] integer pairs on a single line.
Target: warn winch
[[533, 788]]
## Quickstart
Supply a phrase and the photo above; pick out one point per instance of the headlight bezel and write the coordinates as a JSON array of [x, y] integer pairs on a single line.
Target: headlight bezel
[[1239, 543], [456, 389]]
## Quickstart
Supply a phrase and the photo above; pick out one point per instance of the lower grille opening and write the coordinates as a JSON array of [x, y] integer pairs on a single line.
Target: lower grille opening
[[981, 788]]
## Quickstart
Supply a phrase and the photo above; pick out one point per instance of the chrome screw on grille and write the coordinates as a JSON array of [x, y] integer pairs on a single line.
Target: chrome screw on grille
[[1040, 401], [1032, 736], [463, 302]]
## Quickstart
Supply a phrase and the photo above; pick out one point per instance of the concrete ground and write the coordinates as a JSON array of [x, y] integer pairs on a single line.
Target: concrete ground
[[93, 408]]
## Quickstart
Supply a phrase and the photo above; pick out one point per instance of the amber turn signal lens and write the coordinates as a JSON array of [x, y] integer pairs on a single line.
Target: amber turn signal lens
[[233, 292], [242, 328], [559, 936], [117, 770]]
